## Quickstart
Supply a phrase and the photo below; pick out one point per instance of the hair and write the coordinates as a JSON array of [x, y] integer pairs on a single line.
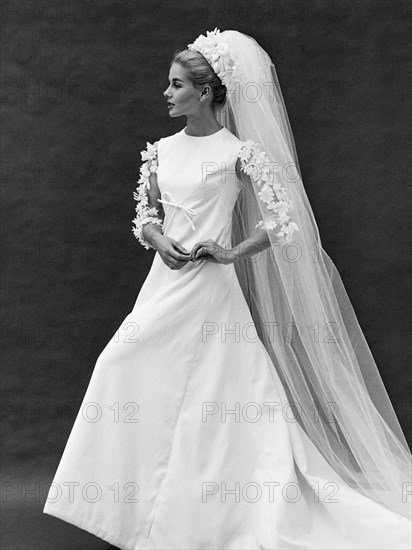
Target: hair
[[199, 72]]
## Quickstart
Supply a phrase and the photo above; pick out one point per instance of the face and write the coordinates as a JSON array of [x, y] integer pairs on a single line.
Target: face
[[184, 96]]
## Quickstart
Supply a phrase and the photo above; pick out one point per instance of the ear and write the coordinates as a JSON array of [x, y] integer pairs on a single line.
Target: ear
[[205, 93]]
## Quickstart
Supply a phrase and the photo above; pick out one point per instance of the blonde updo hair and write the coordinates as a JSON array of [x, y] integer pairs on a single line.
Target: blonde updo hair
[[199, 72]]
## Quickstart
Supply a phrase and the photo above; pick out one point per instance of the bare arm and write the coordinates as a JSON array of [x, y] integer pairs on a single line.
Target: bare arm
[[152, 232], [260, 240], [169, 249]]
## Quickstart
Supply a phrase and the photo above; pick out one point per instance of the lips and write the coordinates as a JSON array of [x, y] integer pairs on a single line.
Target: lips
[[170, 104]]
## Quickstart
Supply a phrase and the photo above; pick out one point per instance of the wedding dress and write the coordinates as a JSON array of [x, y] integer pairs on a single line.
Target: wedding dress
[[185, 438]]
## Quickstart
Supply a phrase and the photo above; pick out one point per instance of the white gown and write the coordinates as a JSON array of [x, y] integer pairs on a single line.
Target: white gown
[[183, 439]]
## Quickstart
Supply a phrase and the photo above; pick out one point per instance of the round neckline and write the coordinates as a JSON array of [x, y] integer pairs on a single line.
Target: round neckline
[[202, 137]]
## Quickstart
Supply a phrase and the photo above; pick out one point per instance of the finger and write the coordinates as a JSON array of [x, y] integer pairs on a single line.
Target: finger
[[196, 248], [208, 246], [201, 252], [182, 253], [180, 257], [179, 247]]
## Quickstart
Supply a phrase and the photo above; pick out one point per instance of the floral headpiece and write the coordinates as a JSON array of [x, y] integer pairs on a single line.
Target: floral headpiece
[[214, 48]]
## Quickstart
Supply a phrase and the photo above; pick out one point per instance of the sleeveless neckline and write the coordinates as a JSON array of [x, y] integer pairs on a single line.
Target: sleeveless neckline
[[201, 137]]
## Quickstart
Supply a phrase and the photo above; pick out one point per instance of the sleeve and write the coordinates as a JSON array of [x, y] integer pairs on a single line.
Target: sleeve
[[145, 214], [255, 163]]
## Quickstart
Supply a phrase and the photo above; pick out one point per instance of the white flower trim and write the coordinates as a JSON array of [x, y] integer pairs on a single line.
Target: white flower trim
[[217, 52], [145, 214], [255, 163]]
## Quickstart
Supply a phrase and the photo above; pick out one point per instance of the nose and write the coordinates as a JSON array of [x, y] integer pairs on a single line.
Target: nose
[[166, 92]]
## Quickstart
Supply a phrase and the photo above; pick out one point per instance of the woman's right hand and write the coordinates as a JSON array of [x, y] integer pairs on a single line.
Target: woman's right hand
[[174, 255]]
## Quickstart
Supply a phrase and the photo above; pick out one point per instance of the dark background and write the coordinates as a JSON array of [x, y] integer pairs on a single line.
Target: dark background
[[82, 88]]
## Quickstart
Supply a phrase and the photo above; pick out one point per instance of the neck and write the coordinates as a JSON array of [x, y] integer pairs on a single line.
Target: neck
[[202, 125]]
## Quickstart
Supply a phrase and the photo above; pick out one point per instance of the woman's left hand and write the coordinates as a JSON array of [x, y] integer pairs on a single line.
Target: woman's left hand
[[212, 252]]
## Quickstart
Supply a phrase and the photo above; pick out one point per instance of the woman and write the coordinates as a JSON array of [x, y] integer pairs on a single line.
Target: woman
[[238, 405]]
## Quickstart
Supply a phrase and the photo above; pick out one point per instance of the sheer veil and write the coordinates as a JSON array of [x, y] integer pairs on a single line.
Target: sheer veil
[[301, 310]]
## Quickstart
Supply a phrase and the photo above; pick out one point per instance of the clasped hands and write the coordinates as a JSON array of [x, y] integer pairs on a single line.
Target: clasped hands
[[175, 256]]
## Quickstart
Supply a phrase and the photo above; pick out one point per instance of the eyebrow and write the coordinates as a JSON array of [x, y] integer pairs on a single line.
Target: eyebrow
[[180, 80]]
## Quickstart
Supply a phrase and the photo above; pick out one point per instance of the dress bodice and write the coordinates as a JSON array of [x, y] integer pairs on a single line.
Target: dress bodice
[[197, 180], [198, 184]]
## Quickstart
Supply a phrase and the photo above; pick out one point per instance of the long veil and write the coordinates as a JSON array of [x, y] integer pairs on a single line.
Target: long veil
[[301, 310]]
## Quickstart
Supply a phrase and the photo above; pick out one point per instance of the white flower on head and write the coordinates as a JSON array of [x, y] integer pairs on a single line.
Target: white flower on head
[[217, 52]]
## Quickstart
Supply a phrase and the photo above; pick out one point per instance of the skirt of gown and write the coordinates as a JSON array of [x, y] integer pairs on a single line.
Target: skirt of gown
[[184, 438]]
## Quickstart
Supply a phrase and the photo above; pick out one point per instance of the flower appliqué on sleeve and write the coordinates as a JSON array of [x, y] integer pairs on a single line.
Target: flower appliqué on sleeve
[[145, 214], [256, 164]]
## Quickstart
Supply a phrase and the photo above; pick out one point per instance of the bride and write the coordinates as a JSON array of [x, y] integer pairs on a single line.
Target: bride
[[238, 404]]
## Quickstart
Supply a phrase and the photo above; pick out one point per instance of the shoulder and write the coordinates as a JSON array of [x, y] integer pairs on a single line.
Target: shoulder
[[165, 140], [232, 143], [249, 148], [165, 143], [253, 162], [245, 150], [150, 153], [152, 147], [251, 152]]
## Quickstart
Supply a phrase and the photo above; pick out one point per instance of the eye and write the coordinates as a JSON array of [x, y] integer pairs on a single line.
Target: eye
[[177, 85]]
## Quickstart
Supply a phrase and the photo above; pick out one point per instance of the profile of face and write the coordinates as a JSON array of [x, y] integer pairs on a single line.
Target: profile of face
[[183, 97]]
